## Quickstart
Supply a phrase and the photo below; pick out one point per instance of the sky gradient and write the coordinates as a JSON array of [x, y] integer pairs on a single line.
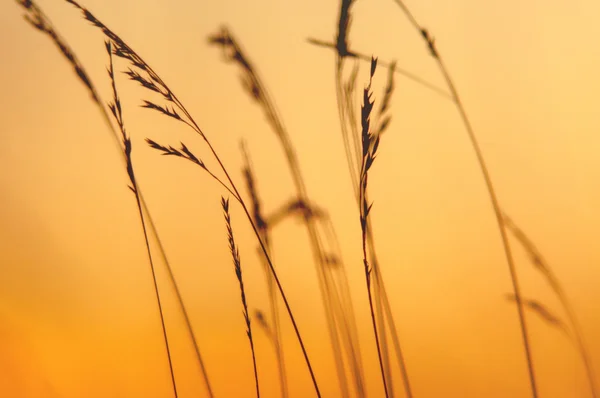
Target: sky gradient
[[77, 311]]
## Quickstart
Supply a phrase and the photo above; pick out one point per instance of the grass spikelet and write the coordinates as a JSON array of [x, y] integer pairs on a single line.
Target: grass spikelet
[[351, 138], [41, 22], [165, 110], [184, 153], [138, 69], [384, 118], [264, 231], [327, 285], [544, 313], [257, 213], [36, 17], [264, 324], [344, 28], [124, 51], [235, 255]]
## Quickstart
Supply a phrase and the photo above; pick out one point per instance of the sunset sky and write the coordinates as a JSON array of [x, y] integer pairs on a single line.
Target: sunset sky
[[78, 315]]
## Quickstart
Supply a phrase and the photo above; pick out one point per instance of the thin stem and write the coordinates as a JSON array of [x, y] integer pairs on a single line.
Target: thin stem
[[345, 105], [490, 187], [330, 296], [186, 317], [263, 227], [237, 263], [354, 344], [543, 266], [379, 283], [40, 21], [158, 300], [370, 144], [352, 167], [502, 229], [285, 301], [238, 197]]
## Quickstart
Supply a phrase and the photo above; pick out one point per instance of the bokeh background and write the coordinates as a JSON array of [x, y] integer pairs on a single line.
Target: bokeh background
[[78, 316]]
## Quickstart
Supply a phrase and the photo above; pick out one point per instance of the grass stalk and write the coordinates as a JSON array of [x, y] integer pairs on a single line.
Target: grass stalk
[[330, 295], [429, 40], [370, 144], [40, 21], [142, 73], [115, 107], [263, 228], [544, 267], [237, 263], [344, 95]]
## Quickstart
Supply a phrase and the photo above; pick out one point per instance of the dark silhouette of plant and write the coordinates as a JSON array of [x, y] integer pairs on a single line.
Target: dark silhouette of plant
[[115, 107], [370, 143], [237, 263], [141, 72], [338, 314], [430, 41], [39, 20], [263, 229]]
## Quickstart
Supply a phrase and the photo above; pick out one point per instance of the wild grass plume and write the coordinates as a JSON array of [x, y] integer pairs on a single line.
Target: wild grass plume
[[115, 107], [362, 126], [180, 113], [351, 137], [40, 21], [540, 263], [237, 263], [430, 42], [370, 144], [338, 315]]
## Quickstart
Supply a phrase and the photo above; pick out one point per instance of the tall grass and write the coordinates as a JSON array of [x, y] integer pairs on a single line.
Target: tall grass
[[40, 21], [237, 263], [354, 159], [339, 317], [370, 144], [360, 146], [540, 263], [141, 72], [117, 112]]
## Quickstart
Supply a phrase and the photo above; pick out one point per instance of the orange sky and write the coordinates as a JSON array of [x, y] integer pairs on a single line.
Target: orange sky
[[77, 312]]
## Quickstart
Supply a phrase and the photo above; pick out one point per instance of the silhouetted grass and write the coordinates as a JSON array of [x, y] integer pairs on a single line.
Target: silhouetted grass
[[430, 42], [370, 143], [40, 21], [544, 313], [544, 268], [173, 108], [335, 313], [237, 263], [115, 107], [361, 147], [354, 158], [263, 228]]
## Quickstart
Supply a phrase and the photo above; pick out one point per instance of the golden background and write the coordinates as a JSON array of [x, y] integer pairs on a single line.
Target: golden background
[[78, 315]]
